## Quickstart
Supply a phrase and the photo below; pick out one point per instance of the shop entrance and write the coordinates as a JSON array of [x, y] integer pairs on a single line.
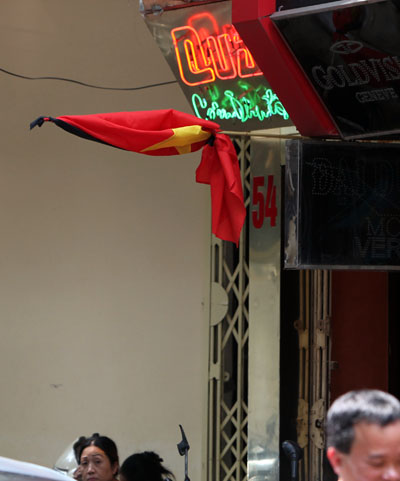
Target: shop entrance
[[339, 332]]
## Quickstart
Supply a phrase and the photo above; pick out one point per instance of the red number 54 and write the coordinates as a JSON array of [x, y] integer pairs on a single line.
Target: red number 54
[[266, 207]]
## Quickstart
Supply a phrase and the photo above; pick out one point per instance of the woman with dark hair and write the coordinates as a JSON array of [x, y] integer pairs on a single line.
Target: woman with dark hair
[[98, 458], [146, 466], [77, 474]]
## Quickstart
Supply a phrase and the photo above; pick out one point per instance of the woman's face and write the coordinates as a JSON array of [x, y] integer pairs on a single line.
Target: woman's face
[[96, 465]]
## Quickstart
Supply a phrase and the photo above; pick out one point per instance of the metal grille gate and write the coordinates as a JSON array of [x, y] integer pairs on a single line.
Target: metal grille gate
[[228, 355], [228, 350], [314, 343]]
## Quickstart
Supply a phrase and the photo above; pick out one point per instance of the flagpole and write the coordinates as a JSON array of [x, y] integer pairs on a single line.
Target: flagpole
[[301, 137], [262, 134]]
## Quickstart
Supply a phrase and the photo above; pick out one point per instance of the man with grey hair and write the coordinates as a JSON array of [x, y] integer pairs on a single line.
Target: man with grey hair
[[363, 436]]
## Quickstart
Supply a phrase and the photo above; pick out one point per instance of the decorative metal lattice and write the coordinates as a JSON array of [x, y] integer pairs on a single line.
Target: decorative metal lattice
[[228, 351], [314, 337]]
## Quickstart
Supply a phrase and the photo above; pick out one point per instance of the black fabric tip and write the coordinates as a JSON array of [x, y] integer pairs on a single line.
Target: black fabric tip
[[79, 132], [39, 121]]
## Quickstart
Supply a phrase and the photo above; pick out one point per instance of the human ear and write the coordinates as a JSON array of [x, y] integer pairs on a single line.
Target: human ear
[[335, 458]]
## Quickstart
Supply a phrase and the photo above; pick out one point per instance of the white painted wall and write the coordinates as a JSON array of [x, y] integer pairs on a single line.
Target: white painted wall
[[103, 253]]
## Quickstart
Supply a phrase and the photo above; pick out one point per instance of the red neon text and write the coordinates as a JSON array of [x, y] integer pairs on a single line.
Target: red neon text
[[205, 54]]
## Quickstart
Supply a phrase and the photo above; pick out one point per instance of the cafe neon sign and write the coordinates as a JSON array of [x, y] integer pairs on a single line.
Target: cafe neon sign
[[207, 56]]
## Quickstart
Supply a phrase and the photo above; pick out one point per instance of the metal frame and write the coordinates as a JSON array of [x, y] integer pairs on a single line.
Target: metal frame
[[228, 402], [313, 326], [228, 352]]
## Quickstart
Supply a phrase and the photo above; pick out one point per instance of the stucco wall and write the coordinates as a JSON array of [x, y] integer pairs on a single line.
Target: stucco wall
[[104, 253]]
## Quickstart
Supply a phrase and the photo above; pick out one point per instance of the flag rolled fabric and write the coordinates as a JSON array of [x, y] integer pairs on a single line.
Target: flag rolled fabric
[[170, 132], [219, 167], [153, 132]]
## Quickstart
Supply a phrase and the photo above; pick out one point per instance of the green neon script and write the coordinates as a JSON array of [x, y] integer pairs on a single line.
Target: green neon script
[[261, 103]]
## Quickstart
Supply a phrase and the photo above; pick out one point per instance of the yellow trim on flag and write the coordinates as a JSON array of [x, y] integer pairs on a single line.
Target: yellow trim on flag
[[182, 139]]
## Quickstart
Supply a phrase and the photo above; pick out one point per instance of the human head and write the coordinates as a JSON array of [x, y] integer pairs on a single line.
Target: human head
[[98, 458], [145, 466], [368, 405], [77, 447], [77, 474], [363, 436]]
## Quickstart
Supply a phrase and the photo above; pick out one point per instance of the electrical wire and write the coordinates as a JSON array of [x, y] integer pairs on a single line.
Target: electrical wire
[[84, 84]]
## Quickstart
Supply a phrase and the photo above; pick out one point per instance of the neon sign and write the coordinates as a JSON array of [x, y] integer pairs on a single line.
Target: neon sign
[[260, 104], [203, 57], [214, 68]]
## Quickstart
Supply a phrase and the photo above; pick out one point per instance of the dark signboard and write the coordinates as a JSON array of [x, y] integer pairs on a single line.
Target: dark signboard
[[350, 53], [342, 205]]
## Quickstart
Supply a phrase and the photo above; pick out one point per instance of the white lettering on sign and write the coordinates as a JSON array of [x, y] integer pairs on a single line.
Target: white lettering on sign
[[382, 240], [340, 178], [376, 95], [359, 73]]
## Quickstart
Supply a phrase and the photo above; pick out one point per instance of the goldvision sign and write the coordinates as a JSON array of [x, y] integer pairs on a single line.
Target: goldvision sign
[[215, 69], [351, 57]]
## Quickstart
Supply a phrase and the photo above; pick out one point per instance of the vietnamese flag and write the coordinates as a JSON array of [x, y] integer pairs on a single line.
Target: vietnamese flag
[[169, 132]]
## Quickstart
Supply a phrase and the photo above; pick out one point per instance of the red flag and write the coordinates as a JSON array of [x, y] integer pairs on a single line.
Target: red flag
[[219, 167], [153, 132], [169, 132]]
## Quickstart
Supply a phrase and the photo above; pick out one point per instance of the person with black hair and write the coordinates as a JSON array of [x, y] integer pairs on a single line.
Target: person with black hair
[[363, 436], [97, 458], [77, 448], [145, 466]]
